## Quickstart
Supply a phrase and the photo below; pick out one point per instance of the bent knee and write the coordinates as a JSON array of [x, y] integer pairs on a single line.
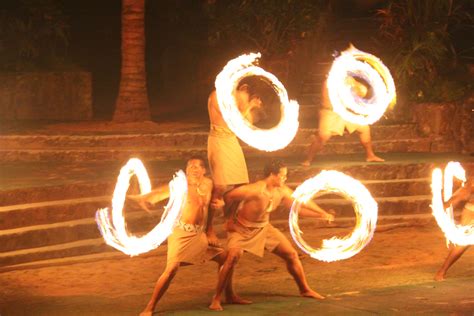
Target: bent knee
[[234, 256], [171, 271], [291, 256]]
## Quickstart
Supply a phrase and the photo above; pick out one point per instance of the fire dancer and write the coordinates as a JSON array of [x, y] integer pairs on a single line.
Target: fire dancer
[[225, 155], [464, 194], [188, 243], [330, 124], [249, 228]]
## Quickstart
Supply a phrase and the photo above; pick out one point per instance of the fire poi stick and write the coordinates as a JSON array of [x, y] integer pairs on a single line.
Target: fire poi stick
[[365, 208], [226, 83], [112, 224], [462, 235], [355, 63]]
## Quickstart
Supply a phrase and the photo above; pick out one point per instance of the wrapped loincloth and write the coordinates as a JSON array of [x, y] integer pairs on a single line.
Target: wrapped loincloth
[[331, 121], [188, 244], [254, 239], [226, 158]]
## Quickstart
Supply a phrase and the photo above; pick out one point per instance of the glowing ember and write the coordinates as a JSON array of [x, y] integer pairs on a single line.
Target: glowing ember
[[365, 208], [355, 63], [462, 235], [271, 139], [114, 229]]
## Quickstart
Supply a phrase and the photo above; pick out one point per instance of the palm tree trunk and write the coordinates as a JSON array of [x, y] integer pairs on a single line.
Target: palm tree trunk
[[132, 102]]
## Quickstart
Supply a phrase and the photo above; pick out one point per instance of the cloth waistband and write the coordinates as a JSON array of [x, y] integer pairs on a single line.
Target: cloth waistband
[[250, 224], [222, 131], [469, 206], [192, 228]]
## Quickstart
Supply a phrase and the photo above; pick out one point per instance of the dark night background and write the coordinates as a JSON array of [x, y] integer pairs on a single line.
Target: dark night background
[[182, 60], [176, 41]]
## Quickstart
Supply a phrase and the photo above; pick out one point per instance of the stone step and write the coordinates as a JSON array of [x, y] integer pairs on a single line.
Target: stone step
[[408, 145], [335, 146], [389, 171], [56, 211], [395, 187], [165, 140], [86, 228], [399, 169], [71, 249], [88, 249], [33, 194], [16, 216], [70, 231], [194, 138]]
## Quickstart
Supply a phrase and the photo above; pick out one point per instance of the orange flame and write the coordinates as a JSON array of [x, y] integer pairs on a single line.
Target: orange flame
[[365, 208], [271, 139], [353, 108], [114, 229]]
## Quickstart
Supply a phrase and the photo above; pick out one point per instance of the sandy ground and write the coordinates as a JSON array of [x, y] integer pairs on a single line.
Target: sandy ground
[[395, 257]]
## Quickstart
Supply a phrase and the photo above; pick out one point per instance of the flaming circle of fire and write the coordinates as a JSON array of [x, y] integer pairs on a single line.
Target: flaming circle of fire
[[114, 229], [355, 63], [365, 209], [226, 83], [462, 235]]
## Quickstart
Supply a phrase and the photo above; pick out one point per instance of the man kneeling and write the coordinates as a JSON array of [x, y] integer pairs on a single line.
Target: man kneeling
[[249, 228]]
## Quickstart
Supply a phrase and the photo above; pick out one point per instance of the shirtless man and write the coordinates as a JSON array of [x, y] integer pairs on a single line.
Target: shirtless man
[[467, 218], [226, 158], [188, 243], [249, 228], [330, 124]]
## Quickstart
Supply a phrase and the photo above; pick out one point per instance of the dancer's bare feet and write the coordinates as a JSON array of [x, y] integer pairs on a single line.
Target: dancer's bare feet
[[439, 276], [312, 294], [374, 158], [216, 305], [146, 313], [235, 299]]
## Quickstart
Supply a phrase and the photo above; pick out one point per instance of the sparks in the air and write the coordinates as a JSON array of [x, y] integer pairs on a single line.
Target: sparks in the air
[[360, 110], [226, 83], [112, 224], [365, 208], [462, 235]]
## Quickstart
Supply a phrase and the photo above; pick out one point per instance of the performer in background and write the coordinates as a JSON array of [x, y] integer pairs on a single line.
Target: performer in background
[[330, 124], [249, 229], [464, 194]]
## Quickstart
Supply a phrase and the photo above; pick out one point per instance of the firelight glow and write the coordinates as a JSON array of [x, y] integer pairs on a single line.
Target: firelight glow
[[365, 207], [226, 83], [113, 228], [364, 111], [462, 235]]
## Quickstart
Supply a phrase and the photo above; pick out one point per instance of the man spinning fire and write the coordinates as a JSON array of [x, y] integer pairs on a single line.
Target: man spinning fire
[[226, 158], [330, 124]]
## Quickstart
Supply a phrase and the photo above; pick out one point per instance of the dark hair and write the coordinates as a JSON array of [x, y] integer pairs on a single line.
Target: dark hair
[[273, 167], [252, 86], [197, 157]]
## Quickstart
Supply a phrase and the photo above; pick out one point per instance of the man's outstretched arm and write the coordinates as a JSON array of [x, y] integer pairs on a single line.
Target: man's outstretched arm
[[147, 200], [309, 209], [462, 194]]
